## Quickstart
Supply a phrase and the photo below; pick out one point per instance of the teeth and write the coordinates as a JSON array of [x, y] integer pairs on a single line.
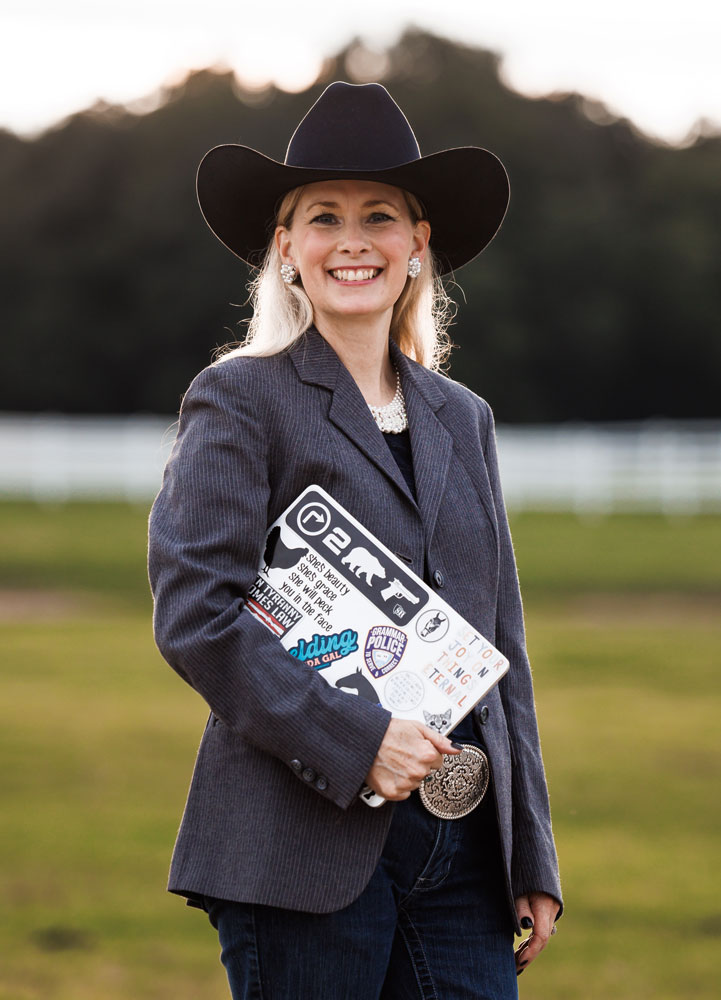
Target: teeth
[[357, 274]]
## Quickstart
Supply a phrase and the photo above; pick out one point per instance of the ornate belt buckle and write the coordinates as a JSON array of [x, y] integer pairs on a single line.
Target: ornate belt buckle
[[455, 789]]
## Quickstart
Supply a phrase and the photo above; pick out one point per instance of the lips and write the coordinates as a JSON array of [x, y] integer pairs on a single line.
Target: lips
[[355, 273]]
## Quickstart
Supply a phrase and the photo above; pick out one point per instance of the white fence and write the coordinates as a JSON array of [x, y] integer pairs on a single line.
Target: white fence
[[653, 466], [54, 457]]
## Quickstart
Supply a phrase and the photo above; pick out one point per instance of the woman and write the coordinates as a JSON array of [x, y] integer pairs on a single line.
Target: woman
[[313, 893]]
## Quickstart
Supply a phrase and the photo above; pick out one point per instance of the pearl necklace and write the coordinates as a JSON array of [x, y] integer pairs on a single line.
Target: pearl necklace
[[392, 418]]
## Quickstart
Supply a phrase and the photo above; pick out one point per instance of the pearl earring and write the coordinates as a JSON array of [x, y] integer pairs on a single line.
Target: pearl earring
[[288, 273], [414, 267]]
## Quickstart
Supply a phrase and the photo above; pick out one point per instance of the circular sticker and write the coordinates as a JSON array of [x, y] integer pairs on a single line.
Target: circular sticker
[[313, 518], [432, 625], [404, 691]]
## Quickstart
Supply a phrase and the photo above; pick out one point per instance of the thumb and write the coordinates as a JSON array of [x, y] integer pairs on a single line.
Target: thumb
[[440, 742], [524, 912]]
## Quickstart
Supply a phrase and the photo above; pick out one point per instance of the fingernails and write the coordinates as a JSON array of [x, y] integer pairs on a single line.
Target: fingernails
[[526, 923], [524, 964], [456, 746], [519, 972]]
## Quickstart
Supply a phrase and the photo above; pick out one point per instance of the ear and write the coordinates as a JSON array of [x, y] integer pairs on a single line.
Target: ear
[[421, 236], [283, 244]]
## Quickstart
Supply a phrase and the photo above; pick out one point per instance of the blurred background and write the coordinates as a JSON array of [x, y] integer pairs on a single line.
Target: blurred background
[[591, 324]]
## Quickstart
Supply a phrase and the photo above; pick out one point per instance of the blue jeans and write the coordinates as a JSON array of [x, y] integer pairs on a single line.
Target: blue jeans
[[432, 924]]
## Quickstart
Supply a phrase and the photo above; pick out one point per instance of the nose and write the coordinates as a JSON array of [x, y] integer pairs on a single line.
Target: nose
[[353, 239]]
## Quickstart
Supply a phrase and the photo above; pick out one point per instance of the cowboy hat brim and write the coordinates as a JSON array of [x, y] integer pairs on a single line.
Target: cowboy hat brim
[[464, 191]]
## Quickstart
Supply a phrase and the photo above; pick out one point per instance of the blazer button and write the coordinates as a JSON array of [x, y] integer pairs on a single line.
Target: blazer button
[[438, 579], [297, 766], [321, 783], [483, 714], [308, 774]]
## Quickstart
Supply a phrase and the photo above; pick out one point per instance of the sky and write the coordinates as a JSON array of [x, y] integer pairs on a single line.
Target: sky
[[654, 61]]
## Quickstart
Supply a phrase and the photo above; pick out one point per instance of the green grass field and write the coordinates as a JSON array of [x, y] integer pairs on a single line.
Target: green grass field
[[99, 735]]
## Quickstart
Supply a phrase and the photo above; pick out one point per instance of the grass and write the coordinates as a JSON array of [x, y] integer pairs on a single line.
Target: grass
[[100, 547], [99, 738], [97, 548], [562, 554], [95, 753]]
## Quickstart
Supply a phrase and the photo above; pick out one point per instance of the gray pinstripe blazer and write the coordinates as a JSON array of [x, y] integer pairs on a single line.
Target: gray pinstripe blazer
[[253, 433]]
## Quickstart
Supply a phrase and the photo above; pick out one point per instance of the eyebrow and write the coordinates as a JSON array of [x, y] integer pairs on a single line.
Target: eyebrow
[[366, 204]]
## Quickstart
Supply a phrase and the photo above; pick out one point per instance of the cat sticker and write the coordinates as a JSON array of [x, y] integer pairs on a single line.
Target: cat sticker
[[439, 721]]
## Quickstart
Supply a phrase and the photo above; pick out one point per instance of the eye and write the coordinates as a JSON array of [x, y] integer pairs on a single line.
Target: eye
[[324, 219], [380, 217]]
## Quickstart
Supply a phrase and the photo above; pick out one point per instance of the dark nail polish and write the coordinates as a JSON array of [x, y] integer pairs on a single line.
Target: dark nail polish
[[526, 923], [524, 964], [456, 746], [519, 972]]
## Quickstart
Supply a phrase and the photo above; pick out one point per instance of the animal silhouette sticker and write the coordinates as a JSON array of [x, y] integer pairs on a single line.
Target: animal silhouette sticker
[[278, 554], [359, 683], [363, 563]]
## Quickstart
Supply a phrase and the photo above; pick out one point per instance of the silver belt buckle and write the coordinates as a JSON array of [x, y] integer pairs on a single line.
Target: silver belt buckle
[[456, 789]]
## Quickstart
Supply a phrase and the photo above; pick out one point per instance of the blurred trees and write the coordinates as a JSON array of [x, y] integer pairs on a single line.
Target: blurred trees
[[599, 300]]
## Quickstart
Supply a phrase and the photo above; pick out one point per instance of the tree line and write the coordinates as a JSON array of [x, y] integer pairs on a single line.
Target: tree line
[[599, 300]]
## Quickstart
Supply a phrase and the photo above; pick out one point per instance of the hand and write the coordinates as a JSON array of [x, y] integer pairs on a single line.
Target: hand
[[541, 909], [407, 755]]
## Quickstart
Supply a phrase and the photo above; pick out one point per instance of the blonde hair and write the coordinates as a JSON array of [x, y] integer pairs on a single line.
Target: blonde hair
[[282, 313]]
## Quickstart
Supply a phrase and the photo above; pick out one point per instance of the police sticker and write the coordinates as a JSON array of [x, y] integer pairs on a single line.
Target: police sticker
[[384, 649]]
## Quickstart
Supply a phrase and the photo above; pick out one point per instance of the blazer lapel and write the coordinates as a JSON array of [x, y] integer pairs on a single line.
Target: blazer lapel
[[317, 363], [432, 435]]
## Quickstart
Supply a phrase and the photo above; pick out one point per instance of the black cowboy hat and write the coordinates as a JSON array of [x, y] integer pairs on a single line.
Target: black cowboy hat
[[355, 131]]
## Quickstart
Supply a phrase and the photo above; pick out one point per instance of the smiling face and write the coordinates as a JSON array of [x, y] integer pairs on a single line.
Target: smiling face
[[350, 242]]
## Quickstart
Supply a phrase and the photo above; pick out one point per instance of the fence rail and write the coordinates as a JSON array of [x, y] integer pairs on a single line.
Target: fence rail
[[650, 466]]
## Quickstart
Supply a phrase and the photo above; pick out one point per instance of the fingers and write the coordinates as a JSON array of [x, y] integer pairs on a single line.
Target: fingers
[[536, 911], [545, 910], [408, 753], [424, 751], [528, 949]]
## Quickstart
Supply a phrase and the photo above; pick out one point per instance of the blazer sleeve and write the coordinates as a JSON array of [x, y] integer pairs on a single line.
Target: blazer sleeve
[[534, 865], [206, 535]]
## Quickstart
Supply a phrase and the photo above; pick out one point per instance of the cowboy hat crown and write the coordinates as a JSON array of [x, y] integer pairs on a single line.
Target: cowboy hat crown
[[353, 127], [355, 131]]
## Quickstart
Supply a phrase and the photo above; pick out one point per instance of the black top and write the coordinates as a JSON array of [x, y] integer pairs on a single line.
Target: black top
[[400, 446]]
